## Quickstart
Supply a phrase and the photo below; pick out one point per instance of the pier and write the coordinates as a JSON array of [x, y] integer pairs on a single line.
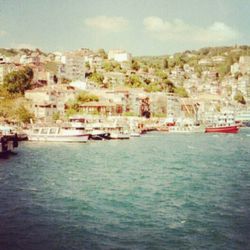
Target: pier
[[8, 143]]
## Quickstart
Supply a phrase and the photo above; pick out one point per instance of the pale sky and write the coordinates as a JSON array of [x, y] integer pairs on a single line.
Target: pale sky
[[142, 27]]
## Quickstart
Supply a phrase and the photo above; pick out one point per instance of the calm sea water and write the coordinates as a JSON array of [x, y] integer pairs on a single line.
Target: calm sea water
[[160, 191]]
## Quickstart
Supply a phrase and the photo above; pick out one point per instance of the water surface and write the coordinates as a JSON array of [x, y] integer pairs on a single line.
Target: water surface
[[160, 191]]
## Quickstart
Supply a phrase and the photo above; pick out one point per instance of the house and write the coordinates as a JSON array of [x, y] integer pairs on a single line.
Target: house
[[44, 110], [28, 59], [244, 85], [79, 85], [49, 99], [119, 55], [4, 59], [205, 62], [218, 59], [244, 63], [72, 67], [102, 108], [6, 68], [235, 68]]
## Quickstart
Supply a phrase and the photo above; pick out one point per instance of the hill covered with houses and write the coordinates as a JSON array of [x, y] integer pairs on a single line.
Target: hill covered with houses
[[50, 86]]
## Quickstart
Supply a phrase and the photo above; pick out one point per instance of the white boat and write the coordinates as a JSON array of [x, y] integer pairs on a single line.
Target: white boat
[[135, 134], [119, 135], [100, 128], [116, 131], [57, 134], [186, 129], [186, 125]]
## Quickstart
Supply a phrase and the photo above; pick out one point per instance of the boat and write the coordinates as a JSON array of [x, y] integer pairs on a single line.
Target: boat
[[222, 129], [117, 132], [186, 125], [224, 123], [57, 134], [135, 133], [94, 129], [243, 118], [187, 128]]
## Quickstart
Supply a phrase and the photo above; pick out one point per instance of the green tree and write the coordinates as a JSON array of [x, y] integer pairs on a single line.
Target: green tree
[[168, 86], [239, 97], [24, 114], [145, 69], [87, 66], [56, 116], [102, 53], [18, 81], [147, 81], [108, 66], [165, 63], [181, 91], [85, 96], [134, 81], [97, 77], [153, 87], [135, 65]]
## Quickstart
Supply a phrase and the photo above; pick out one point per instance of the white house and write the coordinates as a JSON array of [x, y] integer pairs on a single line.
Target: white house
[[72, 67], [119, 55]]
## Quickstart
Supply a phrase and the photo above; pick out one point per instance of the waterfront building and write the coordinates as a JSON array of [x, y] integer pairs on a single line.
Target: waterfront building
[[101, 108]]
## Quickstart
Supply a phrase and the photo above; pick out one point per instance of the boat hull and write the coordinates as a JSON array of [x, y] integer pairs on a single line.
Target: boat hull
[[98, 137], [117, 136], [59, 138], [226, 129]]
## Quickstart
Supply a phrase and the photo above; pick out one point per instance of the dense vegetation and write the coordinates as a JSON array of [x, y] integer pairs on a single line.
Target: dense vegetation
[[18, 81], [13, 105], [73, 106]]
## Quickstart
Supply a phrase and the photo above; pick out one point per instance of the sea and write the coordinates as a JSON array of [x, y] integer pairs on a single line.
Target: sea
[[157, 191]]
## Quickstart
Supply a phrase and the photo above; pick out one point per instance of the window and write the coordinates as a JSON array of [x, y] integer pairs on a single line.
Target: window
[[35, 130], [53, 131], [44, 131]]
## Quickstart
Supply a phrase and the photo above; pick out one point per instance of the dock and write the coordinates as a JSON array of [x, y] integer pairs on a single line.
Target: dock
[[8, 143]]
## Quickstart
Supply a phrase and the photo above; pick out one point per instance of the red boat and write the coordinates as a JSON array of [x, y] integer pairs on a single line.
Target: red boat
[[222, 129]]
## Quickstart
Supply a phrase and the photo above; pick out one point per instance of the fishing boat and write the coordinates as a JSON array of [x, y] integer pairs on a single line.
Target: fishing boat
[[57, 134]]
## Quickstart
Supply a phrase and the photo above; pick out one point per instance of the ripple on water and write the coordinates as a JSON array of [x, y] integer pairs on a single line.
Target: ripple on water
[[162, 191]]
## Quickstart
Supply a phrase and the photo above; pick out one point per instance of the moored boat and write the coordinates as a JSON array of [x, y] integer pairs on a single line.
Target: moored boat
[[222, 129], [225, 123], [57, 134], [186, 129]]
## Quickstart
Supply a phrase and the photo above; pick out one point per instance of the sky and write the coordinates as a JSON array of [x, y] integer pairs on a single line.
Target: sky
[[141, 27]]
